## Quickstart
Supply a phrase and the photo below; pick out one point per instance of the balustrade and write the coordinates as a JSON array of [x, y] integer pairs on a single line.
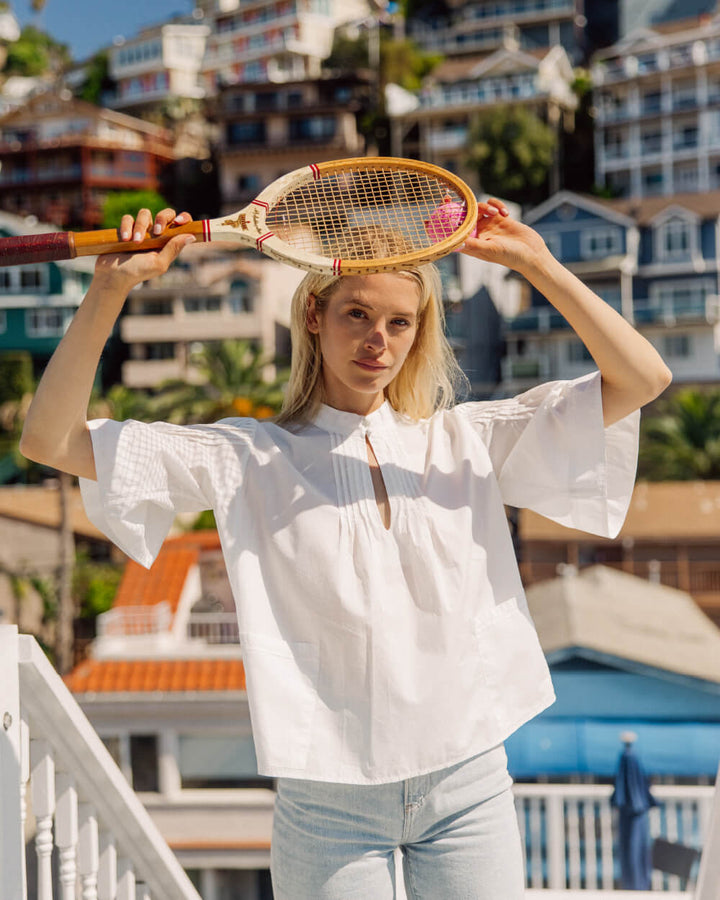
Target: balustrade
[[79, 809]]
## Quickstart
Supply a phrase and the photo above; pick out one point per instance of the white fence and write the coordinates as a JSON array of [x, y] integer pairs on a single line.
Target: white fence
[[79, 808], [570, 839]]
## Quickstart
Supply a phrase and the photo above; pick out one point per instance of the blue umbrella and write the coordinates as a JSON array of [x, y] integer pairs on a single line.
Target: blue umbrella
[[633, 799]]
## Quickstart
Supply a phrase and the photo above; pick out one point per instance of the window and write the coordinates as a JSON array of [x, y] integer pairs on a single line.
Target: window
[[246, 132], [144, 762], [239, 297], [160, 350], [3, 321], [248, 184], [25, 279], [675, 238], [156, 308], [201, 304], [217, 761], [553, 241], [316, 128], [46, 322], [596, 243], [677, 345], [577, 352]]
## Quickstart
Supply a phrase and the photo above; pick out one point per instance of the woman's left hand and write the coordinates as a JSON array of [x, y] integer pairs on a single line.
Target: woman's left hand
[[502, 239]]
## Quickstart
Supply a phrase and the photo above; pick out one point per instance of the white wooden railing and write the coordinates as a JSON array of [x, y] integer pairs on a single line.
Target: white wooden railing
[[570, 839], [79, 806]]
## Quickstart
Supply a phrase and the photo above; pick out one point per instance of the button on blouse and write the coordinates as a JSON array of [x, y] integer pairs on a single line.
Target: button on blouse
[[375, 654]]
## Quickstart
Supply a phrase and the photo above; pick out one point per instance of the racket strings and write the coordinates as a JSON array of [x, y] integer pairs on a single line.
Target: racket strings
[[361, 213]]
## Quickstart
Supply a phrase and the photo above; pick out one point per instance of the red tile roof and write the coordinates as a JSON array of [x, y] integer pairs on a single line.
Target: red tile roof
[[101, 676], [164, 581]]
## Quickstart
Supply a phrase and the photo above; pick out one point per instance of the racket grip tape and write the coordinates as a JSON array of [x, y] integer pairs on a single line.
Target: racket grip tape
[[34, 248]]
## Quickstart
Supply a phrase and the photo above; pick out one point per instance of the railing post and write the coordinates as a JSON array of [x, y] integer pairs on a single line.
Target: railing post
[[12, 848], [66, 832], [42, 792], [556, 841]]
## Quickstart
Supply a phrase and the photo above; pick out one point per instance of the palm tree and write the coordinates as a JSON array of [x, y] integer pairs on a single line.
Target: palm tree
[[233, 384], [682, 442]]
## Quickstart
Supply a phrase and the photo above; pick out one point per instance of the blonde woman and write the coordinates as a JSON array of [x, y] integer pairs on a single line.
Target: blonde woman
[[386, 640]]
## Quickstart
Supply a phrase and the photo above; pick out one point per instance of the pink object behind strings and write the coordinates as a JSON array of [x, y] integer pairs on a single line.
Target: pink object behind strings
[[445, 220]]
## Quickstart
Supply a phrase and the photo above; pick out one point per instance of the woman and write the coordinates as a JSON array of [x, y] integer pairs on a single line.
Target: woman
[[386, 640]]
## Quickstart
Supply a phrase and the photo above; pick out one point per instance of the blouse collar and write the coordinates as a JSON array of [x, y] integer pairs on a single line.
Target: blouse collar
[[336, 421]]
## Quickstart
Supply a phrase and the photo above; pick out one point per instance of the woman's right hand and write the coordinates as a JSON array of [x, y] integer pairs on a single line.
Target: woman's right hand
[[125, 270]]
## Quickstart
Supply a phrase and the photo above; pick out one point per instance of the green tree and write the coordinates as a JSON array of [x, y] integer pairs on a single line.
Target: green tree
[[513, 151], [97, 78], [233, 384], [119, 203], [682, 441], [36, 53]]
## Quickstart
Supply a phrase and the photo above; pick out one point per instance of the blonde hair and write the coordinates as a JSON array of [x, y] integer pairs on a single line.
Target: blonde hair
[[428, 378]]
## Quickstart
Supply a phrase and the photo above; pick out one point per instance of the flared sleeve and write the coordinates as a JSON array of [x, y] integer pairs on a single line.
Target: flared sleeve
[[148, 473], [551, 453]]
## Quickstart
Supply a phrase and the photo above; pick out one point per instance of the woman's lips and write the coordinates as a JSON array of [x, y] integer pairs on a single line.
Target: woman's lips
[[369, 364]]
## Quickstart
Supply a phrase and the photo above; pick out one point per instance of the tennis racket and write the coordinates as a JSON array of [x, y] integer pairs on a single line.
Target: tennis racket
[[351, 216]]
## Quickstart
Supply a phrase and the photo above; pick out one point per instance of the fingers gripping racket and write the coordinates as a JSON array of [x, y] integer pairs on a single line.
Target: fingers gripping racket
[[351, 216]]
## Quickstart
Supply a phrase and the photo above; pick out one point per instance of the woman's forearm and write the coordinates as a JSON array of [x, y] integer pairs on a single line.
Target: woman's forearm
[[633, 372], [55, 431]]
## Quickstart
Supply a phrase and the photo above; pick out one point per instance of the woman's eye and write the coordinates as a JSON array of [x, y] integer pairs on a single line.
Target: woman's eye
[[402, 323], [357, 313]]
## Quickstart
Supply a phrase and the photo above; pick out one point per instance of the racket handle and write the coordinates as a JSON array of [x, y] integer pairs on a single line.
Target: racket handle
[[34, 248], [59, 245]]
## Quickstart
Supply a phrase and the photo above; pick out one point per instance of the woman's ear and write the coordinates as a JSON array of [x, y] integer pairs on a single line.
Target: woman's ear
[[311, 317]]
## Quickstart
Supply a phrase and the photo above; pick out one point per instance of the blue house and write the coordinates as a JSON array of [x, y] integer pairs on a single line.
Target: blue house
[[654, 259], [626, 655]]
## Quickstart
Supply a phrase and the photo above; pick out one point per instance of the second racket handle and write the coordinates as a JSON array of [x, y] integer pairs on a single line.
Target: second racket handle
[[35, 248]]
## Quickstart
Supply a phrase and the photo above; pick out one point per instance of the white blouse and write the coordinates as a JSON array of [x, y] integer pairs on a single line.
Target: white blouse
[[374, 655]]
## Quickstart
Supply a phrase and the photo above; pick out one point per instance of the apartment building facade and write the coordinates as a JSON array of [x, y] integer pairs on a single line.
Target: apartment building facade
[[208, 295], [436, 125], [657, 101], [267, 130], [61, 157], [655, 260], [270, 40], [158, 64]]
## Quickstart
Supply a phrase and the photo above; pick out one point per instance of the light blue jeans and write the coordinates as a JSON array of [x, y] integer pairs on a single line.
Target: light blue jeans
[[456, 829]]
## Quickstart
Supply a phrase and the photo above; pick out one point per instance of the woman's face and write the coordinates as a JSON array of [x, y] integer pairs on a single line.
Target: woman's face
[[366, 331]]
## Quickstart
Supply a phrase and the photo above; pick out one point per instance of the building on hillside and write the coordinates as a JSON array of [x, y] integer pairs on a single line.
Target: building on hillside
[[37, 300], [267, 130], [158, 65], [271, 40], [657, 101], [670, 537], [480, 26], [436, 126], [165, 689], [60, 157], [655, 260], [625, 655], [207, 296]]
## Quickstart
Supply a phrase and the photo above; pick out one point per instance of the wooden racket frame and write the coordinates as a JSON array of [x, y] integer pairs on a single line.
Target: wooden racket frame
[[248, 227]]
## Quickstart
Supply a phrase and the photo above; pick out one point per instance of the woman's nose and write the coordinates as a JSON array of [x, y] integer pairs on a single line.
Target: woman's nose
[[376, 338]]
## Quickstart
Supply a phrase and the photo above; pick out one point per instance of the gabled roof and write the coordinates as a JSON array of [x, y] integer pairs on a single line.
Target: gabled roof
[[113, 676], [582, 201], [617, 616], [705, 204], [502, 60], [163, 582]]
